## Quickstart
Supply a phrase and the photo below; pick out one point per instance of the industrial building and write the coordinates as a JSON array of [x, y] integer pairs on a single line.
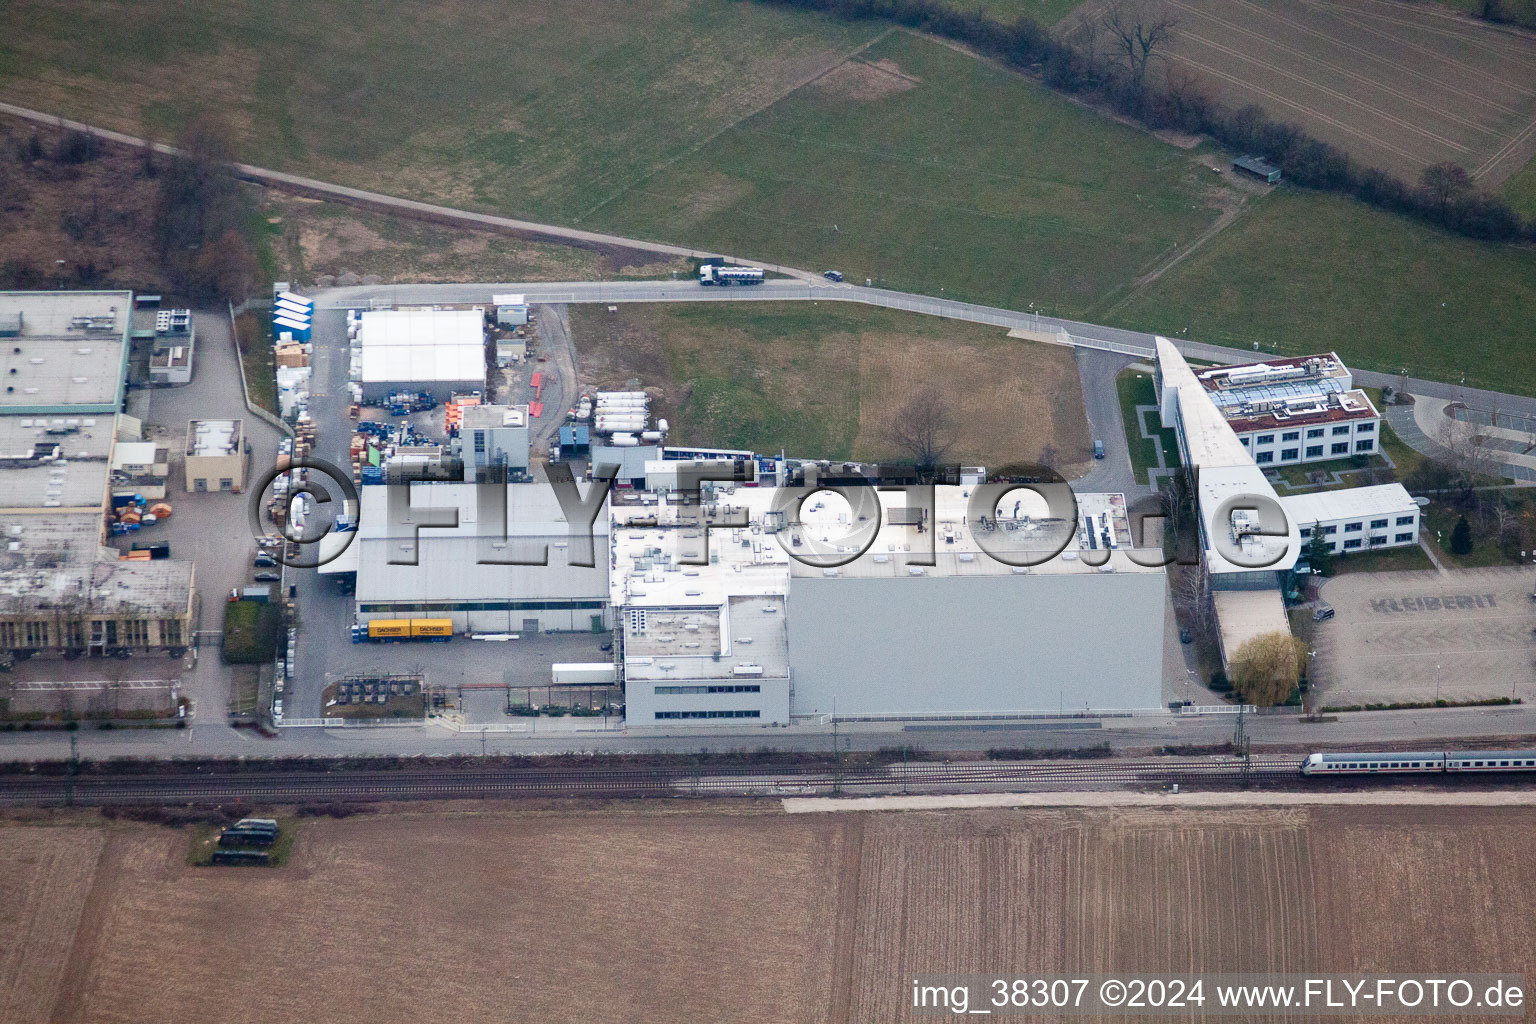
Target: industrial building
[[64, 448], [437, 351], [64, 353], [173, 344], [62, 593], [1357, 518], [492, 439], [216, 456], [490, 569], [511, 310], [55, 463], [732, 626], [1296, 410]]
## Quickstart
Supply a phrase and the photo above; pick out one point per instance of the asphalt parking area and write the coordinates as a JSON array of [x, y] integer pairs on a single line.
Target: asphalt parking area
[[1412, 636]]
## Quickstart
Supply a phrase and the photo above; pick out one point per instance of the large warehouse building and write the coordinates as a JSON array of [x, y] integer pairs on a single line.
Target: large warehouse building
[[438, 351], [447, 557], [756, 634]]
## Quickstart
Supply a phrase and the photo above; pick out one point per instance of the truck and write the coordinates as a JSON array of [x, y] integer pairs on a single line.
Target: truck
[[401, 630], [711, 274]]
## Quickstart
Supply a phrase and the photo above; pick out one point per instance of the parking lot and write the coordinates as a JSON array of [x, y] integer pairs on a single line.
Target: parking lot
[[1416, 636]]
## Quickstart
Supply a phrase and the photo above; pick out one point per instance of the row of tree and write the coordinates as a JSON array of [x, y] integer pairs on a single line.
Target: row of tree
[[204, 218], [1512, 12], [1108, 59], [202, 224]]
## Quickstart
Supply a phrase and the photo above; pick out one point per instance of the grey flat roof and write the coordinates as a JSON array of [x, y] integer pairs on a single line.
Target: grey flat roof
[[72, 348], [53, 561], [50, 462]]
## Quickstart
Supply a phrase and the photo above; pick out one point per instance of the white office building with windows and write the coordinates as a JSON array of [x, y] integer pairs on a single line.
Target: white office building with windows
[[1356, 518], [1295, 411]]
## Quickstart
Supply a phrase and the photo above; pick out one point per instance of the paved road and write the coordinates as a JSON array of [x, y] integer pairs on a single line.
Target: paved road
[[1137, 344], [1101, 401], [1363, 730]]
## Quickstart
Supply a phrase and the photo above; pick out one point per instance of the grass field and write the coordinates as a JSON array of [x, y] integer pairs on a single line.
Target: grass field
[[1308, 273], [534, 109], [914, 164], [1520, 190], [1046, 12], [899, 168], [824, 380], [1136, 388], [745, 127], [250, 632], [1403, 559], [737, 912]]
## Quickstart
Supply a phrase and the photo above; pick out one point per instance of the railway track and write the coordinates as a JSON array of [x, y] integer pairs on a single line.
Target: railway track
[[617, 781]]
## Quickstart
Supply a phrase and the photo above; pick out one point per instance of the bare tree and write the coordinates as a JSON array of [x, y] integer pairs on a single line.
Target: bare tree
[[1472, 455], [1136, 29], [1191, 586], [1505, 523], [923, 429], [1445, 182]]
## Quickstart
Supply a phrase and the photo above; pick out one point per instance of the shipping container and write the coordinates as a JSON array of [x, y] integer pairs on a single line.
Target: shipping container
[[384, 629], [431, 629]]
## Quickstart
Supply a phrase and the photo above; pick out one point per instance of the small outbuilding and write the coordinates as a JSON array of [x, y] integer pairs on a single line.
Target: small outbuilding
[[1258, 167]]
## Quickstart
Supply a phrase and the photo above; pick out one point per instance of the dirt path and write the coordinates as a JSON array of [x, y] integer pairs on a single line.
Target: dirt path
[[88, 933], [1356, 798], [847, 928], [561, 385]]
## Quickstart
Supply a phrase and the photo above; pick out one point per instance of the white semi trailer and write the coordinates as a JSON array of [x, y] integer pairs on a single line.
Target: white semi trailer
[[710, 274]]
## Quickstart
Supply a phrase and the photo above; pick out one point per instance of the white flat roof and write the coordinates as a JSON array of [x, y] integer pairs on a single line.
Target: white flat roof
[[510, 299], [70, 351], [1349, 503], [1226, 468], [408, 345]]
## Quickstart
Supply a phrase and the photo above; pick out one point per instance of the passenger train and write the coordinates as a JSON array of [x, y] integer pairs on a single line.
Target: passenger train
[[1438, 761]]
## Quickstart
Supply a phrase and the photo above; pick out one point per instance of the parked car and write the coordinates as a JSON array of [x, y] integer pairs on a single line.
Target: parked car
[[1098, 449], [268, 577], [1323, 613], [1185, 636], [832, 275], [264, 561]]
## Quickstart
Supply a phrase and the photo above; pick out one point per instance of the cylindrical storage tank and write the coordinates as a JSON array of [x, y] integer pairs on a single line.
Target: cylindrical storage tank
[[624, 441], [661, 425], [619, 394], [161, 509], [651, 435], [149, 519]]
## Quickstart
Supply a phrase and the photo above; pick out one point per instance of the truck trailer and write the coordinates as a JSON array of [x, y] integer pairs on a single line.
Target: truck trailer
[[398, 630], [710, 274]]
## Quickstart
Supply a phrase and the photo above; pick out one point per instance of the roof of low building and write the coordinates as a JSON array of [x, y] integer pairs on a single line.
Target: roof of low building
[[423, 345], [1349, 503], [70, 351]]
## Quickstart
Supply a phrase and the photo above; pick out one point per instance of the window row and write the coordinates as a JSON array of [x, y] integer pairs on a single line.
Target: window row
[[709, 714], [735, 688]]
